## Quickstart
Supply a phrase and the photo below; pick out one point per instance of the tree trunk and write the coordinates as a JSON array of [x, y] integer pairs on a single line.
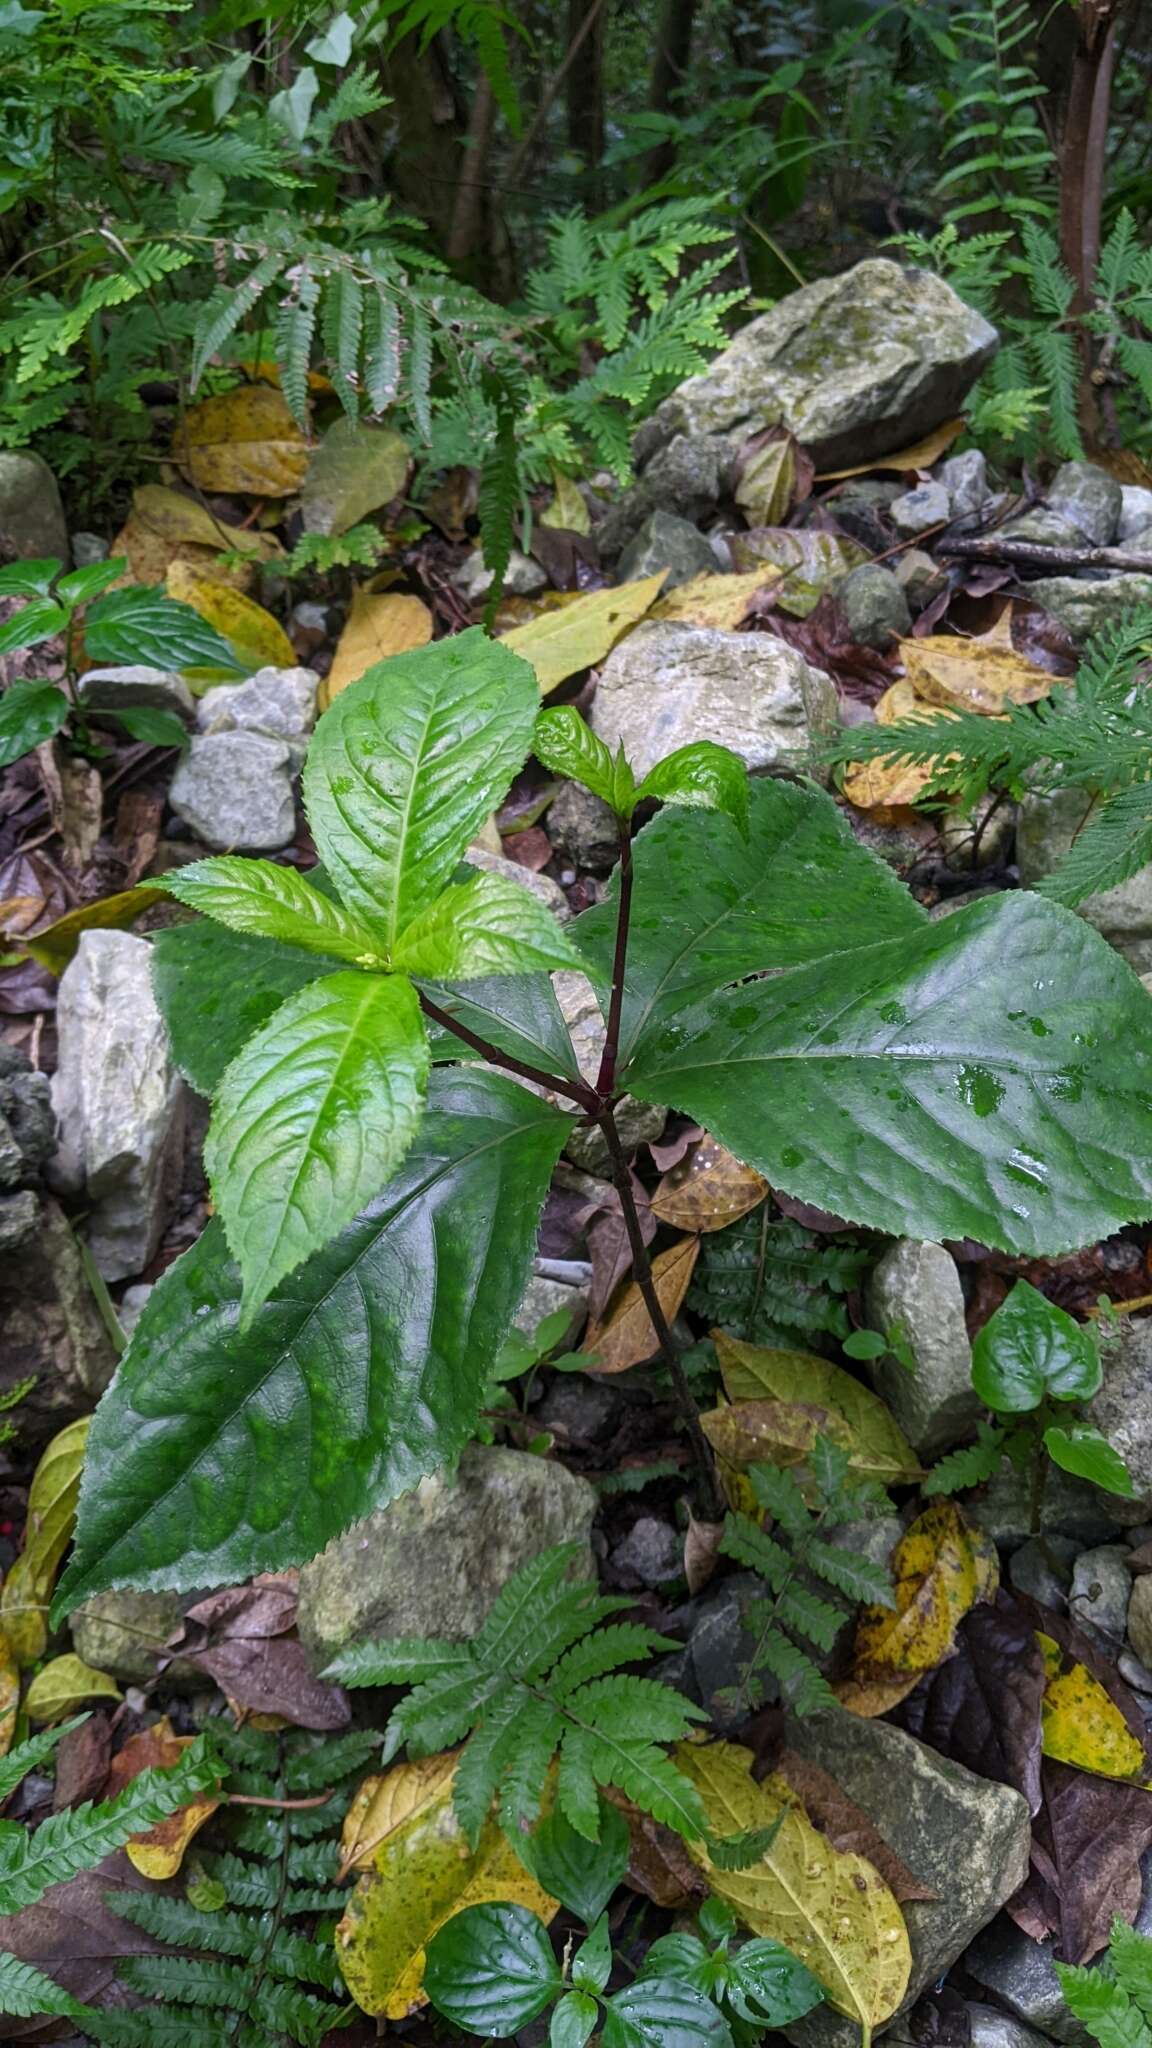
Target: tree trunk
[[1084, 140], [586, 89], [466, 236], [426, 130], [670, 63]]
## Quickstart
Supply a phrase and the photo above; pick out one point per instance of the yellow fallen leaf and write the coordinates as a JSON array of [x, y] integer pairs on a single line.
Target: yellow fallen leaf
[[709, 1189], [1082, 1726], [626, 1337], [27, 1591], [243, 440], [714, 600], [375, 628], [941, 1568], [744, 1433], [561, 643], [9, 1693], [886, 786], [159, 1852], [566, 507], [971, 675], [829, 1907], [877, 1446], [254, 633], [64, 1685], [402, 1832], [149, 557], [918, 455], [56, 945]]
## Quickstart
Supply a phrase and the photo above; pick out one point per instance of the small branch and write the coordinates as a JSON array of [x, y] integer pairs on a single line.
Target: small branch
[[576, 1091], [605, 1079], [281, 1805], [711, 1500], [1031, 554]]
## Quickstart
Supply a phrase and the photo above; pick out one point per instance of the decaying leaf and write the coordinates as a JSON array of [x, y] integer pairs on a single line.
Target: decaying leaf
[[27, 1591], [982, 1707], [744, 1433], [376, 627], [660, 1866], [402, 1832], [1088, 1840], [767, 477], [1081, 1725], [831, 1908], [918, 455], [809, 562], [263, 1675], [56, 945], [846, 1825], [627, 1337], [883, 787], [244, 440], [708, 1189], [941, 1567], [9, 1693], [856, 1417], [701, 1552], [166, 526], [65, 1684], [559, 644], [255, 634], [566, 508], [972, 675], [159, 1853], [712, 600], [353, 470]]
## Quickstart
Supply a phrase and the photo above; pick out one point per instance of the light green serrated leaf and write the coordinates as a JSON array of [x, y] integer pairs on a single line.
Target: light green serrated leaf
[[273, 902], [489, 926], [705, 776]]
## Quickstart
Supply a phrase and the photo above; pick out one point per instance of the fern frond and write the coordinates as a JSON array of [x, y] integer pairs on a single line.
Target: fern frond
[[1114, 845], [80, 1837], [294, 326], [26, 1993], [1103, 2007], [971, 1465], [227, 309], [857, 1577]]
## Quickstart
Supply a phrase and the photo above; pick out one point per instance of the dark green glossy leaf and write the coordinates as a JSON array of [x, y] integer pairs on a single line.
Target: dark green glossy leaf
[[489, 925], [703, 776], [30, 712], [312, 1117], [573, 2020], [491, 1970], [517, 1012], [29, 579], [710, 907], [592, 1964], [566, 743], [1029, 1348], [148, 722], [1079, 1448], [145, 626], [662, 2013], [273, 902], [406, 765], [217, 1453], [583, 1875], [216, 987], [962, 1081], [36, 621], [79, 586], [770, 1986]]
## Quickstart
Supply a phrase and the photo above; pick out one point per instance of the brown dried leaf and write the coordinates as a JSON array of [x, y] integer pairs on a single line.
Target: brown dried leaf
[[627, 1338], [659, 1866], [1087, 1841], [701, 1551], [376, 627], [707, 1190], [972, 675], [159, 1852], [272, 1675], [82, 1759]]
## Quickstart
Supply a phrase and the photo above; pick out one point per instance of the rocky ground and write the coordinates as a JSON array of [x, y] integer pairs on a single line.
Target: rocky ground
[[99, 1134]]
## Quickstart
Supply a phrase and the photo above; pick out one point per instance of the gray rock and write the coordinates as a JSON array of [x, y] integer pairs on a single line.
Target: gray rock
[[1046, 828], [1137, 1674], [719, 1648], [900, 845], [579, 1409], [666, 541], [132, 1304], [980, 838], [27, 1118], [54, 1333], [124, 1633], [993, 2029], [544, 889], [1140, 1617], [546, 1298], [666, 685], [686, 476], [115, 689], [1139, 543], [1044, 1570], [1044, 527], [1135, 511], [915, 511], [19, 1219], [1101, 1586], [118, 1099], [433, 1562], [235, 791], [522, 578], [1089, 499], [584, 827], [32, 523], [1086, 608], [917, 1288], [861, 509], [278, 702], [875, 605], [651, 1553], [965, 478], [1021, 1973], [920, 578], [1071, 1508], [965, 1837], [854, 365], [89, 548]]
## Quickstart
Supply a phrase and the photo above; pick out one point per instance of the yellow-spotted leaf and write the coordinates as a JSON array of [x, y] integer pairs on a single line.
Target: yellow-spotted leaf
[[972, 675], [253, 632], [27, 1591], [56, 945], [159, 1853], [165, 526], [888, 786], [708, 1189], [244, 440], [941, 1568], [744, 1433], [877, 1445], [626, 1336], [418, 1871], [376, 627], [561, 643], [1082, 1726], [64, 1685], [713, 600], [827, 1906]]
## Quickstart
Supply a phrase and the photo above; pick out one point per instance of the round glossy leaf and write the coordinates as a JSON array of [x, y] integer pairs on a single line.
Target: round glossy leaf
[[1029, 1349], [770, 1985], [661, 2013], [1081, 1449], [491, 1969], [573, 2020], [583, 1875], [592, 1964]]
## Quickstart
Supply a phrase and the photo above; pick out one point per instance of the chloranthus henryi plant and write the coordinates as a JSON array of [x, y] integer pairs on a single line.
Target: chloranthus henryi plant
[[378, 1162]]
